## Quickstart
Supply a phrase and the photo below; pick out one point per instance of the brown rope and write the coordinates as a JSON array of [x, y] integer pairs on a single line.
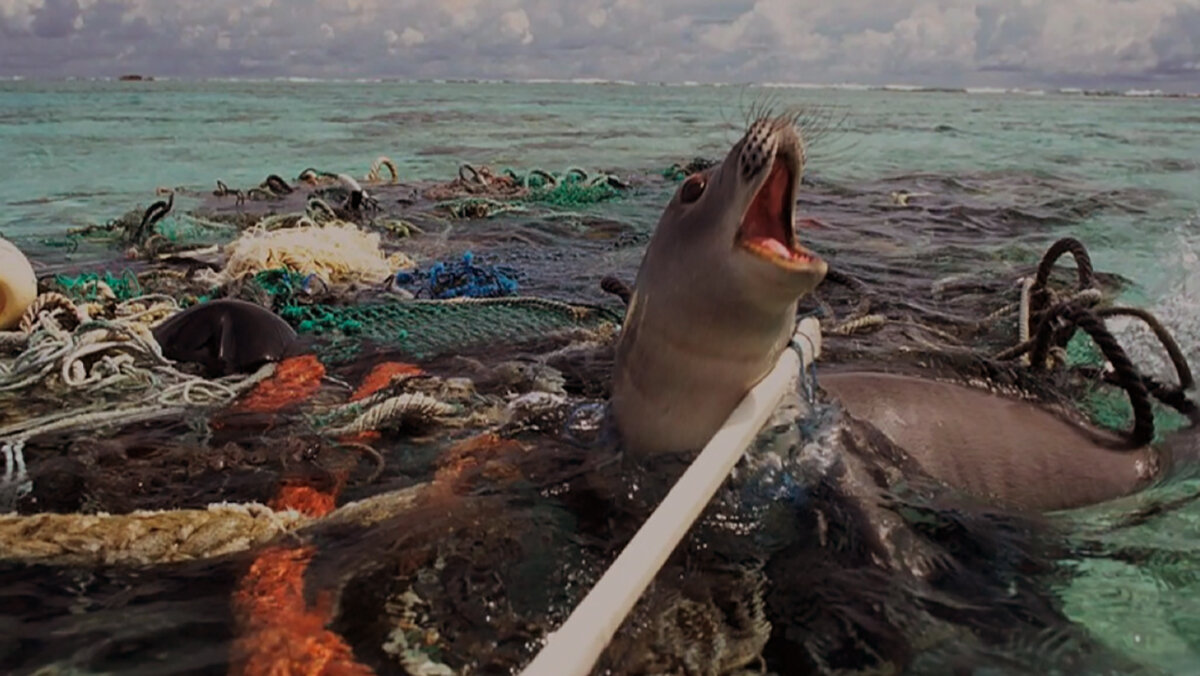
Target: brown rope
[[1083, 263], [155, 213], [141, 538], [617, 288], [1182, 370], [1125, 374], [855, 285], [1041, 297], [1173, 397], [277, 185]]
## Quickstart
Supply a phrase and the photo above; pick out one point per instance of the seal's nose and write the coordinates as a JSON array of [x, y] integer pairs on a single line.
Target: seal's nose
[[758, 149]]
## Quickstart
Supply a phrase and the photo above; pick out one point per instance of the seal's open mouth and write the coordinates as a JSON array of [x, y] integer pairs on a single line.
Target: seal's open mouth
[[767, 229]]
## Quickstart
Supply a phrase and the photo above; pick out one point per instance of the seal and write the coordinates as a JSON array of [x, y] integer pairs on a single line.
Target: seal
[[1010, 452], [714, 301], [226, 336]]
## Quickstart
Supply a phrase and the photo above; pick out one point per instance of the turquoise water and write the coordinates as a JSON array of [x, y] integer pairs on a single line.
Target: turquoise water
[[79, 153], [82, 153]]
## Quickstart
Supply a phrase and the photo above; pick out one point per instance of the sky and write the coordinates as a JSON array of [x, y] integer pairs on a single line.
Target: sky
[[1095, 44]]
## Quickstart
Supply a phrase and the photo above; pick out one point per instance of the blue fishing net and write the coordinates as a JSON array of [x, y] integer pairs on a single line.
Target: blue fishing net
[[460, 279]]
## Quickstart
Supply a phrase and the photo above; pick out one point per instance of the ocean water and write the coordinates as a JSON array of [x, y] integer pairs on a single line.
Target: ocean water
[[77, 153], [1122, 174]]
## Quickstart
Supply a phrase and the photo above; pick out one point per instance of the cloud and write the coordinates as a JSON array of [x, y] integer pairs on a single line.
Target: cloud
[[16, 16], [1089, 37], [948, 42]]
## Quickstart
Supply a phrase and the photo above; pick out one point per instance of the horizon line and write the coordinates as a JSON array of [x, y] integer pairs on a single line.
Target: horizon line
[[842, 86]]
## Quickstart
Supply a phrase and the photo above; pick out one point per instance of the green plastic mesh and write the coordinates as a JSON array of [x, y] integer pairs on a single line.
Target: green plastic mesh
[[674, 173], [423, 328], [572, 194], [426, 328], [281, 284], [86, 287], [185, 229], [1108, 406], [573, 188]]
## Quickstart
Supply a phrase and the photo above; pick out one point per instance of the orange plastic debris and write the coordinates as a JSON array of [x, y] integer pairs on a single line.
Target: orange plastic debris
[[304, 499], [364, 437], [381, 375], [483, 451], [295, 380], [279, 634]]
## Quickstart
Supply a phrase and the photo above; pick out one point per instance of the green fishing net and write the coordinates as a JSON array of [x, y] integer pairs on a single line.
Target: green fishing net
[[565, 195], [674, 173], [573, 188], [573, 194], [418, 328], [426, 328], [180, 230], [88, 286], [422, 328], [185, 229]]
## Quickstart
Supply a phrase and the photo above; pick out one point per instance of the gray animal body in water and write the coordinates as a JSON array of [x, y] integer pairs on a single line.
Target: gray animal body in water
[[877, 565], [226, 336], [1010, 451], [714, 302]]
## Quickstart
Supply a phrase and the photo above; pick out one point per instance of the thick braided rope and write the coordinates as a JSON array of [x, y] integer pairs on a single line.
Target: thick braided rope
[[142, 537], [146, 538]]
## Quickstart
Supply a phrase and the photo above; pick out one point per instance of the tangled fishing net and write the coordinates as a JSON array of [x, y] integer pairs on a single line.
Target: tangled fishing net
[[461, 279], [1061, 352], [336, 252], [423, 329], [92, 287], [459, 427], [91, 357], [77, 373], [481, 193]]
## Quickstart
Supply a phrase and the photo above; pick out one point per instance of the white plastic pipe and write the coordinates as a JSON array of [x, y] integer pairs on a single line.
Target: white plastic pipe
[[573, 649]]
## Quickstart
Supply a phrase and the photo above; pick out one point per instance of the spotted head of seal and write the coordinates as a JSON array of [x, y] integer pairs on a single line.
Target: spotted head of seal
[[715, 297], [226, 336]]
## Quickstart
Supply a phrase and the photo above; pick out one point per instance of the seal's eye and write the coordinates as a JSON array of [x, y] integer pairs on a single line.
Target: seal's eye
[[692, 188]]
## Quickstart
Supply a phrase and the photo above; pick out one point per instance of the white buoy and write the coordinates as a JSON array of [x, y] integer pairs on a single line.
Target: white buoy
[[18, 284]]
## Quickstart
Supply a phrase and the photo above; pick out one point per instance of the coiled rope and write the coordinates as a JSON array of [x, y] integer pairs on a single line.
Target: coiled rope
[[1057, 317], [411, 406], [1125, 373], [102, 356]]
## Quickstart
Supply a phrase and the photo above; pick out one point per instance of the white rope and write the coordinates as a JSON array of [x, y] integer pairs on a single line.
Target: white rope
[[573, 649], [169, 402], [412, 405], [1023, 319], [15, 482], [1089, 296]]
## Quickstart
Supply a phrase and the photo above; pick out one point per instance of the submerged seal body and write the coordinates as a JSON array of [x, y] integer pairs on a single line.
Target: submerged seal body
[[715, 297], [226, 336], [1006, 450]]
